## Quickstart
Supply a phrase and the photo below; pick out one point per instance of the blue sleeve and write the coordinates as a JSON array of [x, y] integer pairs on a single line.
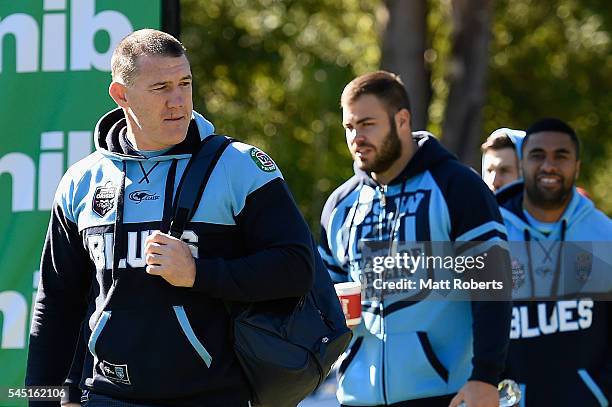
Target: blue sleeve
[[337, 273], [476, 220], [333, 246]]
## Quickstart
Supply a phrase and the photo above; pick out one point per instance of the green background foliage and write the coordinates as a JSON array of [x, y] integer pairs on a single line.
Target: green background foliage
[[552, 58], [270, 73]]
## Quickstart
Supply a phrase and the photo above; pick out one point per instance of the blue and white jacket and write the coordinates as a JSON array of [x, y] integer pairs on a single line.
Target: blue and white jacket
[[152, 342], [560, 351], [405, 350]]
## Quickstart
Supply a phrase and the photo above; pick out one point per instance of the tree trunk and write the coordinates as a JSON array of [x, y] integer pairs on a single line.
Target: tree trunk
[[462, 129], [404, 45]]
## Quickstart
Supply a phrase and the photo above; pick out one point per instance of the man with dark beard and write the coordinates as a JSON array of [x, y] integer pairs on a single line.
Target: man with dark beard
[[560, 351], [408, 188]]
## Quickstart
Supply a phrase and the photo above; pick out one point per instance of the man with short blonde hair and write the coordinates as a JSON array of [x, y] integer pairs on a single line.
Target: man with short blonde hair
[[153, 305], [142, 42]]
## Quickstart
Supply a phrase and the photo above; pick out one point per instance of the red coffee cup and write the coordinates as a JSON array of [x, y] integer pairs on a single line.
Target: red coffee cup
[[349, 295]]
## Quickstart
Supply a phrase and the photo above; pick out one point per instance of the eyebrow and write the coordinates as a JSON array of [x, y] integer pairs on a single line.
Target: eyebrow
[[558, 150], [187, 77], [361, 120]]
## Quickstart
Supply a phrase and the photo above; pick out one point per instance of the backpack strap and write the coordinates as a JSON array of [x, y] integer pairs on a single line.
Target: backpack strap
[[194, 180]]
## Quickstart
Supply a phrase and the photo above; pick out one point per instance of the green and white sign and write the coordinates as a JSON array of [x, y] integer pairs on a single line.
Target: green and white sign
[[54, 77]]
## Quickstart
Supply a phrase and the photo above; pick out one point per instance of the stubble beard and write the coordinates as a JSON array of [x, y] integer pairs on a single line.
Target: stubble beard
[[389, 152], [548, 200]]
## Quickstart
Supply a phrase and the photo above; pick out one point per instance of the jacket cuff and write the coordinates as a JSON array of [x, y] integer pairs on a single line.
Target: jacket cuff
[[485, 373], [73, 395]]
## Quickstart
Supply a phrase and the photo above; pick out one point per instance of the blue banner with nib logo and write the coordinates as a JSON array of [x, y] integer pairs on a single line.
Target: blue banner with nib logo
[[54, 75]]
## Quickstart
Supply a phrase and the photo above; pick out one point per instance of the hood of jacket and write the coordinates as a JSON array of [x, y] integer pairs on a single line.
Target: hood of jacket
[[110, 140], [510, 200], [429, 154], [516, 136]]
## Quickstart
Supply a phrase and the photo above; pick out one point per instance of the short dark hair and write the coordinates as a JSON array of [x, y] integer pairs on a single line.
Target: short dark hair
[[497, 141], [142, 42], [553, 124], [386, 86]]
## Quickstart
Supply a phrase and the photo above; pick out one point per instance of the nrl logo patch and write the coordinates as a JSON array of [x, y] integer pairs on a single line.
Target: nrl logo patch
[[262, 160], [104, 199]]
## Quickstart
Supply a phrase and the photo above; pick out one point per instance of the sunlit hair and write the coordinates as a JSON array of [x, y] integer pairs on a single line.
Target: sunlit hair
[[142, 42], [497, 141], [386, 86]]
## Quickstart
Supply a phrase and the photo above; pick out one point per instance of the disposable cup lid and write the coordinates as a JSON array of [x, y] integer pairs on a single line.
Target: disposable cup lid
[[348, 288]]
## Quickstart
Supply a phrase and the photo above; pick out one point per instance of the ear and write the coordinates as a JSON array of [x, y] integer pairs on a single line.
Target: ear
[[402, 119], [577, 170], [117, 91]]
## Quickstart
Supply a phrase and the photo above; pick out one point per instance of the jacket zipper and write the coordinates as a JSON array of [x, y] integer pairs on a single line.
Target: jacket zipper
[[382, 218], [384, 332]]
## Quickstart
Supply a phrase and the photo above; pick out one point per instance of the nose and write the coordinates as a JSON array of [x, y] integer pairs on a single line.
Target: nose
[[176, 99], [548, 165], [497, 181], [354, 136]]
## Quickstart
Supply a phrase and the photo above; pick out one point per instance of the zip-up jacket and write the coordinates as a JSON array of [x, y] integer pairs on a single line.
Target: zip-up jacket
[[406, 350], [560, 351], [150, 341]]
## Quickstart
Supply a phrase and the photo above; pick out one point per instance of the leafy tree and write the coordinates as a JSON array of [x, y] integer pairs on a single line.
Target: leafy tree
[[552, 58], [271, 73]]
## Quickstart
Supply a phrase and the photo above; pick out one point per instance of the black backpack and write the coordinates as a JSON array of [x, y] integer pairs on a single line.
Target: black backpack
[[286, 347]]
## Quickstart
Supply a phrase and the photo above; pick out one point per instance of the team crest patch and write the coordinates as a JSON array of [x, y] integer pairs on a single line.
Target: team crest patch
[[115, 373], [262, 160], [583, 265], [518, 274], [104, 199]]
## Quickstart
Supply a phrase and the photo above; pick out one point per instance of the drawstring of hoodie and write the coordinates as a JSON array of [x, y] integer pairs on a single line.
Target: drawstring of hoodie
[[396, 216], [557, 276], [557, 273], [382, 212], [117, 238], [118, 235], [355, 209]]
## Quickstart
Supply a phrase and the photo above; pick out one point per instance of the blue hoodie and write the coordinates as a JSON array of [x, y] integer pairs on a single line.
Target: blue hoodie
[[407, 350], [149, 341], [560, 351]]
